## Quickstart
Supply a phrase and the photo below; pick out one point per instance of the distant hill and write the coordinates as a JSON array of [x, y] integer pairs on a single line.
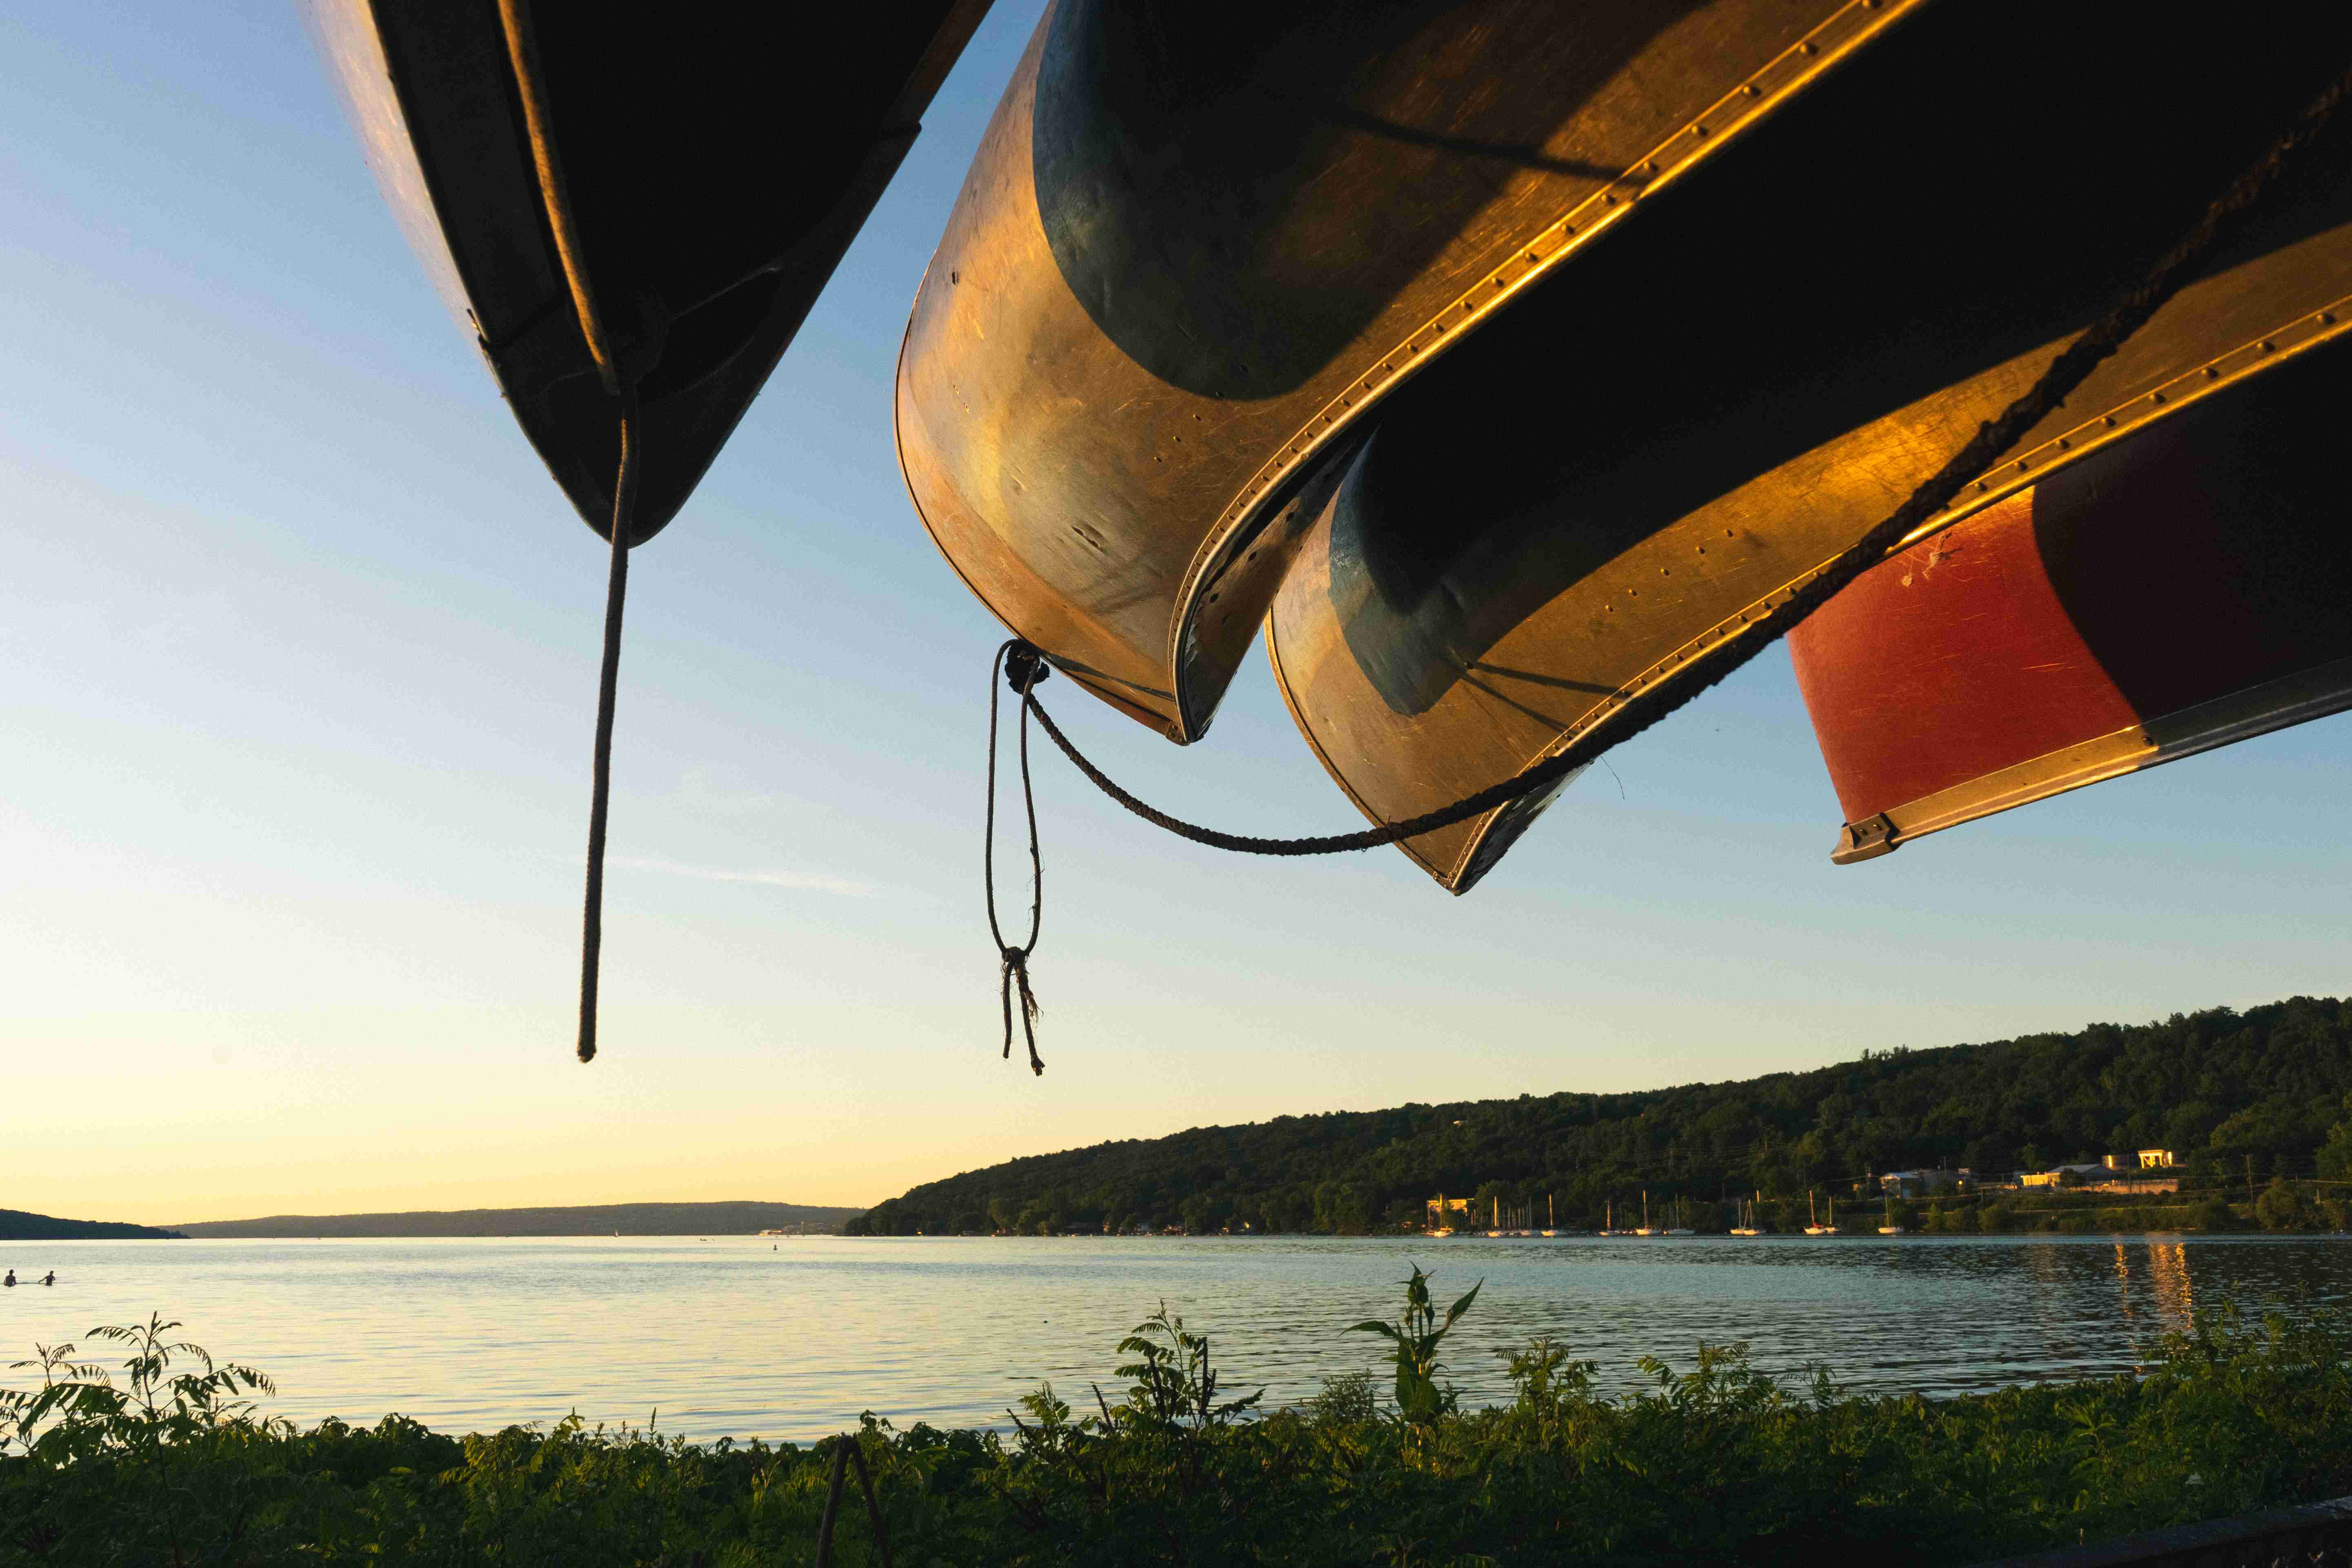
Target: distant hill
[[2261, 1093], [600, 1219], [16, 1225]]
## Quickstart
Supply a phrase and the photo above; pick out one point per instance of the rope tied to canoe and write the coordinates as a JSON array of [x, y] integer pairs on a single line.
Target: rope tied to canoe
[[608, 680], [1994, 438], [1024, 666]]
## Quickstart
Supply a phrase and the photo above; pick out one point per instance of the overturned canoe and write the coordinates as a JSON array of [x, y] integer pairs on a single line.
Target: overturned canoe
[[1600, 496], [568, 177], [1198, 248], [632, 216], [2185, 589]]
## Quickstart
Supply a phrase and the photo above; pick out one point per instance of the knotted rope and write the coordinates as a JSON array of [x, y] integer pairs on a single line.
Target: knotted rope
[[1023, 668], [1993, 438]]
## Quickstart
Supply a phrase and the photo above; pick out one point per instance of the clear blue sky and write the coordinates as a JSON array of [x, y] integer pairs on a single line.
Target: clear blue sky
[[296, 669]]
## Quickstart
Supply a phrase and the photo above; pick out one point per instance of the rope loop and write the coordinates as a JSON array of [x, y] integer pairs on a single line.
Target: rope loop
[[1023, 667]]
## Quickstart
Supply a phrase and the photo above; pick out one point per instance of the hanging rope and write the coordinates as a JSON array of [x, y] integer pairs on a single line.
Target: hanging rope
[[1023, 668], [1992, 439], [608, 679], [620, 364]]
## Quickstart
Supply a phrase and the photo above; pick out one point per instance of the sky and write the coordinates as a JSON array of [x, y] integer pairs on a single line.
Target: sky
[[298, 658]]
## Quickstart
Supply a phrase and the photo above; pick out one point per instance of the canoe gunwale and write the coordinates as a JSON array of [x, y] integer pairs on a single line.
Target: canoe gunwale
[[1747, 105], [2298, 698]]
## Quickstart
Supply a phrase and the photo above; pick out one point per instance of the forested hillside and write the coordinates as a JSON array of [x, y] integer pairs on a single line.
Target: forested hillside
[[17, 1224], [2261, 1093]]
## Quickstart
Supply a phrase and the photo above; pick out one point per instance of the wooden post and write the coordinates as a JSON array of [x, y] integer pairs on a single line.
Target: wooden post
[[832, 1504], [873, 1509]]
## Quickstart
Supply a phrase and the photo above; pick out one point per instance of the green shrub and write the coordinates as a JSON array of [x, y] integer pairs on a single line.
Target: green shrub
[[2282, 1208], [2214, 1214]]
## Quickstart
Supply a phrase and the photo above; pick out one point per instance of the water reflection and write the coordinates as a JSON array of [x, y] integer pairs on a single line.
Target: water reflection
[[2169, 1265], [729, 1336]]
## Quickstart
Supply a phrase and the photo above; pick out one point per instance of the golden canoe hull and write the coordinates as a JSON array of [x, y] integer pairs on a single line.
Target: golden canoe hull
[[1184, 277]]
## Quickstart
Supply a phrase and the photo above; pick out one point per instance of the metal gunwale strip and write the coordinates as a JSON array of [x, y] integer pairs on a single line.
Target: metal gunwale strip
[[1747, 105], [2289, 699], [2308, 329]]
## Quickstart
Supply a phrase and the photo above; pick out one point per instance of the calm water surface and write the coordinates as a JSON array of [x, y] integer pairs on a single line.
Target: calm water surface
[[792, 1338]]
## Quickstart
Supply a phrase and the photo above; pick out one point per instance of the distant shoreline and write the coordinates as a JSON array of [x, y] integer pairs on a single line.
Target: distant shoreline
[[732, 1218]]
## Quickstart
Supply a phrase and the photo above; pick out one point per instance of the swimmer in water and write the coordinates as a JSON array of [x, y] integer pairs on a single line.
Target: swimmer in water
[[50, 1278], [11, 1279]]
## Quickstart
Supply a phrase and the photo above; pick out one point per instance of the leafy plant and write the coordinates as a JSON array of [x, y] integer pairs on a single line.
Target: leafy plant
[[1415, 1339], [1175, 1386], [157, 1404]]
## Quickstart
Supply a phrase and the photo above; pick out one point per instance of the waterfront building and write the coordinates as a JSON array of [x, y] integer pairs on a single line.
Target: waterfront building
[[2062, 1176], [1922, 1183]]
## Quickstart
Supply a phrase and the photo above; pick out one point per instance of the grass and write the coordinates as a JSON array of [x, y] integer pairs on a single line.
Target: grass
[[167, 1461]]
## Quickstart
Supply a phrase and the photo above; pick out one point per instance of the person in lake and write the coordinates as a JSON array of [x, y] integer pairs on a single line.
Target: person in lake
[[50, 1278], [11, 1279]]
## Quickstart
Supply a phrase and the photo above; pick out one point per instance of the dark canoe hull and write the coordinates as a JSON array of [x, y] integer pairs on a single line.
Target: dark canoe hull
[[1201, 247], [1598, 497], [2181, 590], [710, 202]]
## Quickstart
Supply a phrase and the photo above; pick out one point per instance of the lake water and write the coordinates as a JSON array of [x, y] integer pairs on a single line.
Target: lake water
[[792, 1338]]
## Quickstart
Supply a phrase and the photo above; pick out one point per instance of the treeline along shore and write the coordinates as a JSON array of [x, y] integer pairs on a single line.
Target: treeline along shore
[[2252, 1111]]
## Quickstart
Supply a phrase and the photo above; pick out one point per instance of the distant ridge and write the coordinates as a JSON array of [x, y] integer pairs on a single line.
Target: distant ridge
[[600, 1219], [16, 1225]]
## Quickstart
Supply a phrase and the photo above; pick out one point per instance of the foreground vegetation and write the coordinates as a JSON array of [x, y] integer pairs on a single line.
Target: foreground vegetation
[[2241, 1097], [1714, 1463]]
